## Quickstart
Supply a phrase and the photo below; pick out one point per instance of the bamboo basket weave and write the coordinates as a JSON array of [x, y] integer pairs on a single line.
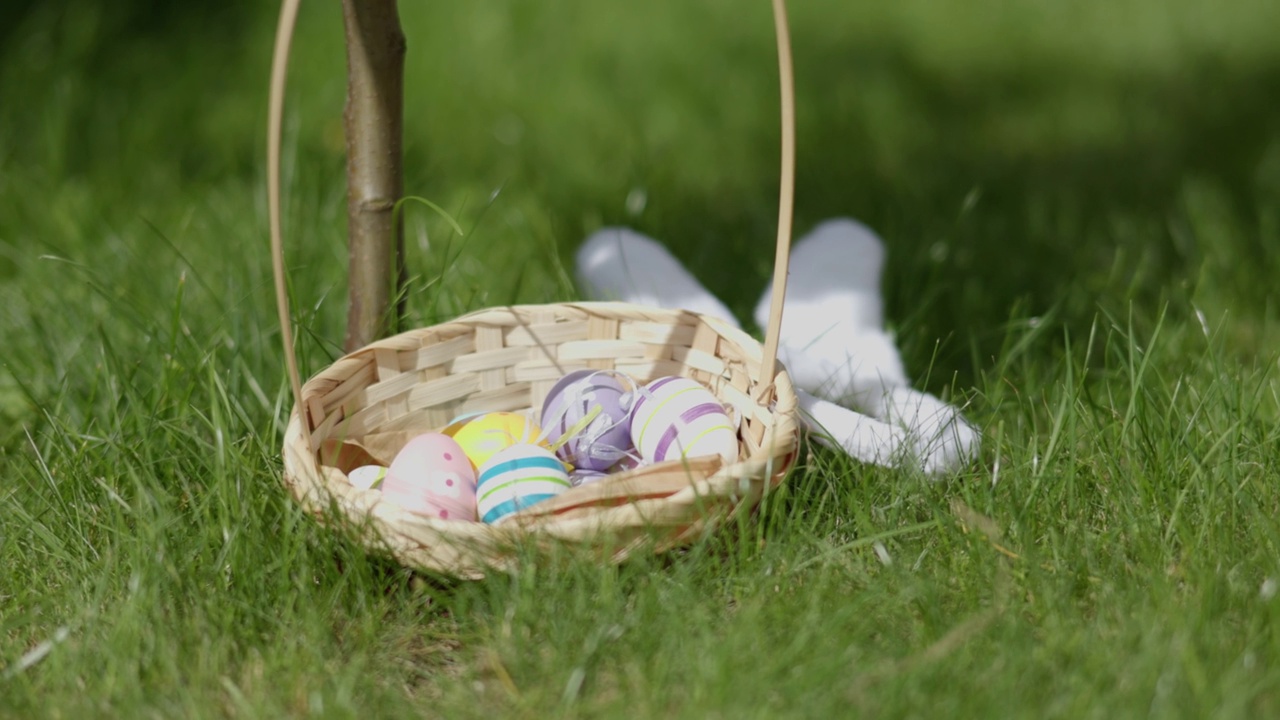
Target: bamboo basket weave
[[367, 405]]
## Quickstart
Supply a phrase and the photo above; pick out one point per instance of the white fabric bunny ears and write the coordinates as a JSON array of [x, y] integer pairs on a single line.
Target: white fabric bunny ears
[[854, 393]]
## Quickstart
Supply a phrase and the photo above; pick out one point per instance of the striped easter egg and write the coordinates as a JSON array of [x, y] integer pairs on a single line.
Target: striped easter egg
[[676, 417], [605, 438], [517, 477]]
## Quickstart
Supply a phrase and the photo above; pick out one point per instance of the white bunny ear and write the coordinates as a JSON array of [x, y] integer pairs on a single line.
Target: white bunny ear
[[846, 366], [942, 439], [936, 439], [863, 438], [835, 273], [833, 340], [835, 347], [621, 264]]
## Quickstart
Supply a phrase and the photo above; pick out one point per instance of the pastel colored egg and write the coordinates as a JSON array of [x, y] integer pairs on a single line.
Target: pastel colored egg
[[676, 417], [481, 436], [606, 439], [586, 477], [432, 476], [517, 477], [631, 462], [367, 477]]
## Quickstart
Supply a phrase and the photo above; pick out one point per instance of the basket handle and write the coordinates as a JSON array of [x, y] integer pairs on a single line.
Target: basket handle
[[275, 117], [786, 199]]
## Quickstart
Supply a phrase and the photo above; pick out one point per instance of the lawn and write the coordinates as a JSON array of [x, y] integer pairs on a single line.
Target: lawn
[[1081, 204]]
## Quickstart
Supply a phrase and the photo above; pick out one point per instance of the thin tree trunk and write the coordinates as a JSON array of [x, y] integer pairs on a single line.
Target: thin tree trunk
[[374, 125]]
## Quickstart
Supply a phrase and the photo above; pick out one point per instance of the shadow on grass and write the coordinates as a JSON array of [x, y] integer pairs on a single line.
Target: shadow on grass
[[1004, 190], [1032, 187]]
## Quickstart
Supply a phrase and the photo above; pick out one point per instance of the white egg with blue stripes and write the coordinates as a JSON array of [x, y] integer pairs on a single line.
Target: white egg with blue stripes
[[517, 477]]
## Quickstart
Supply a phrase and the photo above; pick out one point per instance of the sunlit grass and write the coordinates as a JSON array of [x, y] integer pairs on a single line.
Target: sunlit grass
[[1083, 224]]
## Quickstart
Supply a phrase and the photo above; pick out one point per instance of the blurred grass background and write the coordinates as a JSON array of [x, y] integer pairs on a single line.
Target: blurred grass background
[[1010, 152], [1081, 204]]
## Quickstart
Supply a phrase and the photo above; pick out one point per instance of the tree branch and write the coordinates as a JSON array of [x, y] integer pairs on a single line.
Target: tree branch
[[375, 180]]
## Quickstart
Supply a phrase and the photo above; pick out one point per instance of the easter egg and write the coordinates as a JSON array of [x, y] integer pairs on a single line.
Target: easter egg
[[517, 477], [483, 435], [676, 417], [585, 477], [606, 438], [367, 477], [432, 476], [630, 462]]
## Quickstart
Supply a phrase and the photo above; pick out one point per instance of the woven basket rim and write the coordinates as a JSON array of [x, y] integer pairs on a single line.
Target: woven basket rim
[[324, 489]]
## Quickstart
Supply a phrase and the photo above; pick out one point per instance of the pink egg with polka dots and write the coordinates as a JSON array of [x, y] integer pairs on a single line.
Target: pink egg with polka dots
[[431, 476]]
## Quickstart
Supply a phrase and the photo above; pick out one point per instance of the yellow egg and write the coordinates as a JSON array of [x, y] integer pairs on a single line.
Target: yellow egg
[[482, 436]]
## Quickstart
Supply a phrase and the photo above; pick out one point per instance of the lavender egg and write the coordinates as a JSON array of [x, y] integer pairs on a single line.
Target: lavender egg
[[586, 477], [607, 438]]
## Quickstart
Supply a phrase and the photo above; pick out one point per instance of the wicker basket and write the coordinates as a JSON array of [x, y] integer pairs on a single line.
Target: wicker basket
[[367, 405]]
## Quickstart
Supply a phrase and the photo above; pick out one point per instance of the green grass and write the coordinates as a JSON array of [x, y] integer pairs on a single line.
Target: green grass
[[1082, 207]]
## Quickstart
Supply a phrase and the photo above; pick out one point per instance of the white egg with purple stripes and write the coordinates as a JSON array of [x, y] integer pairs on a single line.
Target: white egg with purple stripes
[[677, 417], [517, 477]]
